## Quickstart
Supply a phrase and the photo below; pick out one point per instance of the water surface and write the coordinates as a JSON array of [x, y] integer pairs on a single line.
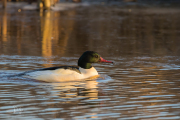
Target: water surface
[[144, 82]]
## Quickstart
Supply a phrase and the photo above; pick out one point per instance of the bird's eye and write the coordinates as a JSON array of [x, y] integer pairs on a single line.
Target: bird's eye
[[96, 56]]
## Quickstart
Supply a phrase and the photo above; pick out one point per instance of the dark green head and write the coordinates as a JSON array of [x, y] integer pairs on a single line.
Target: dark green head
[[89, 57]]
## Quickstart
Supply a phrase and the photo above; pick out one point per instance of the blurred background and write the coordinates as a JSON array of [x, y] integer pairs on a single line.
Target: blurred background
[[135, 27], [142, 37]]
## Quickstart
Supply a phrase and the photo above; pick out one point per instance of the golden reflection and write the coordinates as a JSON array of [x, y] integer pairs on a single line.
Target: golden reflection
[[4, 26], [55, 33], [46, 30], [3, 32]]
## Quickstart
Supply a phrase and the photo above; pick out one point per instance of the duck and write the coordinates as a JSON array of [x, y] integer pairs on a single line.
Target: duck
[[82, 71]]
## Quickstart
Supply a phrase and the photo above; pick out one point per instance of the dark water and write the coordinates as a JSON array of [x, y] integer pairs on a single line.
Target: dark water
[[144, 82]]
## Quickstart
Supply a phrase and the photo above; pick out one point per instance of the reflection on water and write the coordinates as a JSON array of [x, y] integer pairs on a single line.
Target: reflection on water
[[142, 84], [142, 87], [139, 32]]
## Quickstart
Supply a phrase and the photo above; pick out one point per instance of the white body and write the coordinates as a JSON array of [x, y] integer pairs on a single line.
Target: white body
[[61, 74]]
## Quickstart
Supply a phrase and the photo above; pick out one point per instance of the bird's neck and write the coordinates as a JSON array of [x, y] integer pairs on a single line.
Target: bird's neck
[[84, 65]]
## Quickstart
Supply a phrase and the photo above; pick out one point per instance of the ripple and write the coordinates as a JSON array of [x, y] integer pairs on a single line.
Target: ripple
[[125, 93]]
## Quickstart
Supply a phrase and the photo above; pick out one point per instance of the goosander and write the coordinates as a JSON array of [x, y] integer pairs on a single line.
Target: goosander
[[56, 74]]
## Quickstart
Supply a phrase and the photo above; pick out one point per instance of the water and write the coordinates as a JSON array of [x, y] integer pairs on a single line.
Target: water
[[144, 82]]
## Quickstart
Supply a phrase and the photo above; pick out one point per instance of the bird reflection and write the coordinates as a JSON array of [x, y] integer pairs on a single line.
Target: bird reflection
[[79, 88]]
